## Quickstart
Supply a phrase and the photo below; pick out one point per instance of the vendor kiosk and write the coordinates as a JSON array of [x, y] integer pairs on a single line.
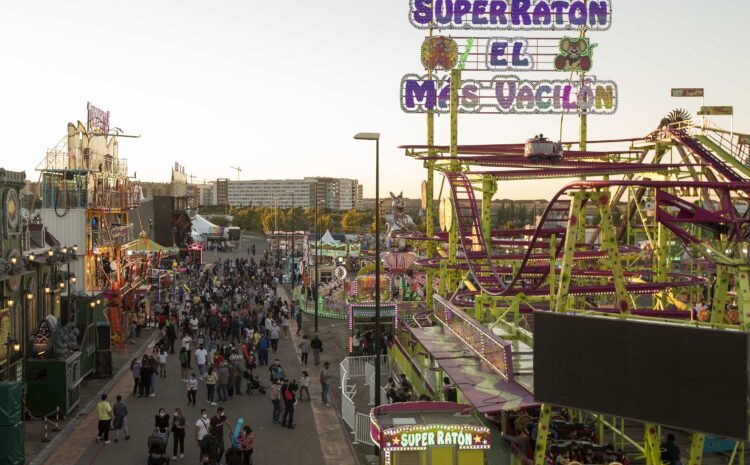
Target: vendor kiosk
[[428, 433]]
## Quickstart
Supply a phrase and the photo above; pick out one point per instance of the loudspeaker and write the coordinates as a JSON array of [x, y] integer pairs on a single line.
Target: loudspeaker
[[103, 336], [103, 365]]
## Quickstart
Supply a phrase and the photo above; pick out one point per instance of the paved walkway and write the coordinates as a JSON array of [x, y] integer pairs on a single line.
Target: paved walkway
[[317, 439]]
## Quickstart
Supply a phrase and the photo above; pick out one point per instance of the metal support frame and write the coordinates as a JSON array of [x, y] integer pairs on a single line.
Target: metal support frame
[[453, 233], [489, 187], [540, 452], [652, 443], [609, 243], [719, 303], [569, 248], [696, 448]]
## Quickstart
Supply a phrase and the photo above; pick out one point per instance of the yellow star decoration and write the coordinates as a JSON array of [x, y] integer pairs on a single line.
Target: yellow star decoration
[[477, 439], [396, 440]]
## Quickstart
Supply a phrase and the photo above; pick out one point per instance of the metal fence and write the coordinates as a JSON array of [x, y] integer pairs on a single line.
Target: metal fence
[[362, 431]]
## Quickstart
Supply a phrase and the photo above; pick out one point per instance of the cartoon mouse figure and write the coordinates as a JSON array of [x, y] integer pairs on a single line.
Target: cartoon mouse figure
[[575, 55]]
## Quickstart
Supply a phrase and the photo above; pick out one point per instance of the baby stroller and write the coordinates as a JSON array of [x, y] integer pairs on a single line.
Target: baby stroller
[[157, 448], [233, 456], [253, 383]]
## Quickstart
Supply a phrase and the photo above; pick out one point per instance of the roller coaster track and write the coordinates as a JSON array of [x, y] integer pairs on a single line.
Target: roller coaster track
[[477, 253]]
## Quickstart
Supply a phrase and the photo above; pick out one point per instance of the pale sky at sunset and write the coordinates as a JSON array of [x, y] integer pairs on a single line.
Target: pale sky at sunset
[[280, 87]]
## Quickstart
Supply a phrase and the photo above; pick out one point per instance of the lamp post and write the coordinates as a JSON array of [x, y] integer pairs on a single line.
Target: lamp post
[[378, 339], [317, 258]]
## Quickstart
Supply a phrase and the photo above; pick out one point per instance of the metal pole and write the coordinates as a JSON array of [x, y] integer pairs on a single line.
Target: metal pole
[[69, 291], [317, 257], [294, 268], [378, 339]]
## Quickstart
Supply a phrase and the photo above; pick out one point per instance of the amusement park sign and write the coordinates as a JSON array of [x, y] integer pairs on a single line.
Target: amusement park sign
[[509, 95], [511, 14]]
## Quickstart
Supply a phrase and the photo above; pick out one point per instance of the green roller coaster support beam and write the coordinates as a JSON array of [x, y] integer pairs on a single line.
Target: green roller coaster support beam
[[489, 187], [719, 302], [443, 289], [430, 204], [609, 244], [455, 166], [696, 448], [652, 443], [552, 264], [540, 452], [569, 248], [742, 285], [724, 155]]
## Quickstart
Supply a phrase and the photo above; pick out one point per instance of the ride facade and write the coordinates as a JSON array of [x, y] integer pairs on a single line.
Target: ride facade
[[652, 228]]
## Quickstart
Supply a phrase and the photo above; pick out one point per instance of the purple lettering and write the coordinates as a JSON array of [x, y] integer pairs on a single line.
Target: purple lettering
[[479, 12], [556, 97], [497, 12], [422, 12], [519, 12], [542, 14], [567, 104], [525, 97], [520, 60], [559, 7], [504, 101], [444, 98], [460, 8], [418, 93], [598, 13], [577, 14], [497, 54], [443, 11], [469, 95]]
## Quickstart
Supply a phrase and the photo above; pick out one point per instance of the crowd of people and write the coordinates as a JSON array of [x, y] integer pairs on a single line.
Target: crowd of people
[[224, 321]]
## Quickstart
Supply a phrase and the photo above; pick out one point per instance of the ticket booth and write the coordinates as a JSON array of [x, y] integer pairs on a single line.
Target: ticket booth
[[428, 433]]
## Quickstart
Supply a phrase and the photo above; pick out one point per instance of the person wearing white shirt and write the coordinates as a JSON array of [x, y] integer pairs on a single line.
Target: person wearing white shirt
[[200, 358]]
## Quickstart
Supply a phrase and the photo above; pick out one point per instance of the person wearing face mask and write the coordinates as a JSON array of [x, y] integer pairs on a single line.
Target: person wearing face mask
[[201, 428], [178, 428], [161, 421]]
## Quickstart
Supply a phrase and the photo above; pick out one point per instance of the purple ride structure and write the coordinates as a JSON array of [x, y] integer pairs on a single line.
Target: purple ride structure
[[652, 230]]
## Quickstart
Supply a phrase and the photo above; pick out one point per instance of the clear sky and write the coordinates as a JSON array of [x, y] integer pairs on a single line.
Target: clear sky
[[279, 87]]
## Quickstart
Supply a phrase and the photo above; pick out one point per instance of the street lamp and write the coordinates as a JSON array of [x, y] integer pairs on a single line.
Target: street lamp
[[375, 136]]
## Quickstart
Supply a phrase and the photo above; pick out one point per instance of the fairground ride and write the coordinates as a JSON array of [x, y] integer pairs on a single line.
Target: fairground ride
[[682, 195]]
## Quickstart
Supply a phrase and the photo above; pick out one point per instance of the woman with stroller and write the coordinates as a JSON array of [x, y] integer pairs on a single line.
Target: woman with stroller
[[161, 421]]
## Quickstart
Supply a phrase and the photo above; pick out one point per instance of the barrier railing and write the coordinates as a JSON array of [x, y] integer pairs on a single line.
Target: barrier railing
[[359, 367], [362, 431]]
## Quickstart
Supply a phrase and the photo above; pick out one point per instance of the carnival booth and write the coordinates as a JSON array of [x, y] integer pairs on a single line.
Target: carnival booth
[[428, 433], [361, 303]]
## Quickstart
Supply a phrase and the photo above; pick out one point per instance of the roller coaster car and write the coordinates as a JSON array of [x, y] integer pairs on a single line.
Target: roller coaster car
[[541, 149]]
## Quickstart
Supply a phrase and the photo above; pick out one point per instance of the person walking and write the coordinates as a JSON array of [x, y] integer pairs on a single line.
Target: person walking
[[274, 334], [298, 318], [276, 400], [223, 384], [187, 342], [161, 421], [246, 441], [104, 413], [284, 325], [135, 368], [325, 383], [161, 357], [304, 383], [120, 422], [171, 336], [201, 355], [184, 359], [263, 350], [201, 428], [211, 379], [304, 348], [154, 375], [145, 382], [289, 392], [217, 428], [178, 429], [191, 384], [317, 347]]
